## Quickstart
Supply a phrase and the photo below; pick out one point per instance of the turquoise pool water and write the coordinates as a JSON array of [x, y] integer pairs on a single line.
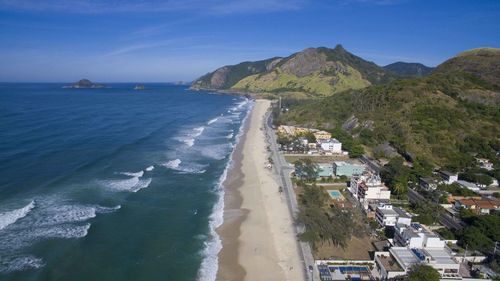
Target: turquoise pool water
[[335, 194]]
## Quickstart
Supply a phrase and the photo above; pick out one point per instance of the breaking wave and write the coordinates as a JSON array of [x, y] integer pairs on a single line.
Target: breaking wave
[[10, 217]]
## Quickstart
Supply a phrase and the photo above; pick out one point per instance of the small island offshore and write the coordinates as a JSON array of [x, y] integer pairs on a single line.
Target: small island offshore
[[85, 84]]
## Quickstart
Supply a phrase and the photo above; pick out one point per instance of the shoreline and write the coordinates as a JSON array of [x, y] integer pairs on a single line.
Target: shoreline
[[257, 233]]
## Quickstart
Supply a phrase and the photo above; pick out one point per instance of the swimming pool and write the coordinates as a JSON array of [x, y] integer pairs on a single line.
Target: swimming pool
[[335, 194]]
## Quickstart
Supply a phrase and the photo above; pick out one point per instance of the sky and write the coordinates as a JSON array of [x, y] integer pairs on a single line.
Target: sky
[[172, 40]]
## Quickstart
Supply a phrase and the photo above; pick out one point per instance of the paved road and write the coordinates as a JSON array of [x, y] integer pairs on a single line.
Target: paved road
[[444, 218], [283, 170]]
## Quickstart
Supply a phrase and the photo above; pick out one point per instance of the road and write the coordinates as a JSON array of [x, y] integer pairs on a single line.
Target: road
[[283, 170], [444, 218]]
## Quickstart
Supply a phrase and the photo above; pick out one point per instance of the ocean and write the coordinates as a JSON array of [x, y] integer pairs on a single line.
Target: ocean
[[114, 183]]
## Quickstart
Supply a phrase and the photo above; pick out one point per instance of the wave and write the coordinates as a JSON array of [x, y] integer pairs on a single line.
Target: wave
[[121, 185], [133, 184], [198, 131], [67, 231], [217, 151], [190, 138], [19, 263], [132, 174], [190, 168], [210, 264], [8, 218], [173, 164], [142, 184], [150, 168], [212, 121], [53, 218], [230, 136], [106, 210]]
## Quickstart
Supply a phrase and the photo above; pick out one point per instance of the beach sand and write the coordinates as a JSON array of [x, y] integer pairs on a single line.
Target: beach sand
[[257, 235]]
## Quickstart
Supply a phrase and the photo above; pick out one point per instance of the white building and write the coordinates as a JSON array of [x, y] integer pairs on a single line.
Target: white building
[[416, 236], [368, 188], [331, 145], [469, 185], [387, 215], [416, 245], [398, 261], [448, 177]]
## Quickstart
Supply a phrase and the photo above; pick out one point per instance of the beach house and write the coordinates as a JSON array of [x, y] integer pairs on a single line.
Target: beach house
[[368, 188], [387, 215], [448, 177], [331, 145], [342, 168]]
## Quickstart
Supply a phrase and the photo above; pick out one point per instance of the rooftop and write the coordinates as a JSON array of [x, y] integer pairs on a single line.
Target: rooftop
[[439, 255], [404, 255], [402, 213], [389, 263], [450, 174]]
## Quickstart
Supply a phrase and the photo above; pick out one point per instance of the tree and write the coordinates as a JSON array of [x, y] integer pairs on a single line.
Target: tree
[[306, 169], [422, 272]]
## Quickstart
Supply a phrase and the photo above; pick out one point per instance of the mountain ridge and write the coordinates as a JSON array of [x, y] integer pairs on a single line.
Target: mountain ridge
[[409, 69], [312, 72]]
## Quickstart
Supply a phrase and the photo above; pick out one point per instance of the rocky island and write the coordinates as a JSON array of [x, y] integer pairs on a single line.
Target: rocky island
[[85, 84]]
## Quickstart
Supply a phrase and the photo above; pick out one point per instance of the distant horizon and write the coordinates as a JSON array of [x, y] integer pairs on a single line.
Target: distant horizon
[[154, 40]]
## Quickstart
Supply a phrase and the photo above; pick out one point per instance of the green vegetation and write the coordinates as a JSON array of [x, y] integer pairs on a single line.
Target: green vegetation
[[481, 233], [456, 190], [479, 176], [423, 272], [227, 76], [349, 144], [306, 169], [446, 233], [405, 69], [427, 214], [313, 72], [430, 119], [323, 223]]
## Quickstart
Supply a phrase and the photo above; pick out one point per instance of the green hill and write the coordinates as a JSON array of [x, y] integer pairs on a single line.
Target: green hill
[[407, 69], [444, 118], [312, 72], [482, 63]]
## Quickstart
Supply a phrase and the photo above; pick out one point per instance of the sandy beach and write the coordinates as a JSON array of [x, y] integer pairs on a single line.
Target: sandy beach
[[257, 234]]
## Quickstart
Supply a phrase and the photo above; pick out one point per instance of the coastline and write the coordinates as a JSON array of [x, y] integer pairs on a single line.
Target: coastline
[[257, 233]]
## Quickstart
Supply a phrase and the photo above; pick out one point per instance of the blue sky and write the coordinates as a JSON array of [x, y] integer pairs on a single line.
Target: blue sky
[[169, 40]]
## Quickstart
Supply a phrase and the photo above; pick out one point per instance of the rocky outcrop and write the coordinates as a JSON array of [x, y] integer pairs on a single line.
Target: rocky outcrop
[[85, 84]]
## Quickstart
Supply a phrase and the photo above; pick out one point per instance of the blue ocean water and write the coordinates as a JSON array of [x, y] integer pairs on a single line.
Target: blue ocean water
[[113, 184]]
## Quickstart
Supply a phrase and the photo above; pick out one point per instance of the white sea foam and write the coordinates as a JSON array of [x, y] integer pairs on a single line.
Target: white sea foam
[[173, 164], [122, 185], [216, 151], [10, 217], [212, 121], [54, 214], [132, 174], [52, 218], [230, 136], [210, 263], [189, 138], [198, 131], [63, 231], [189, 168], [19, 263], [143, 183], [106, 210], [150, 168]]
